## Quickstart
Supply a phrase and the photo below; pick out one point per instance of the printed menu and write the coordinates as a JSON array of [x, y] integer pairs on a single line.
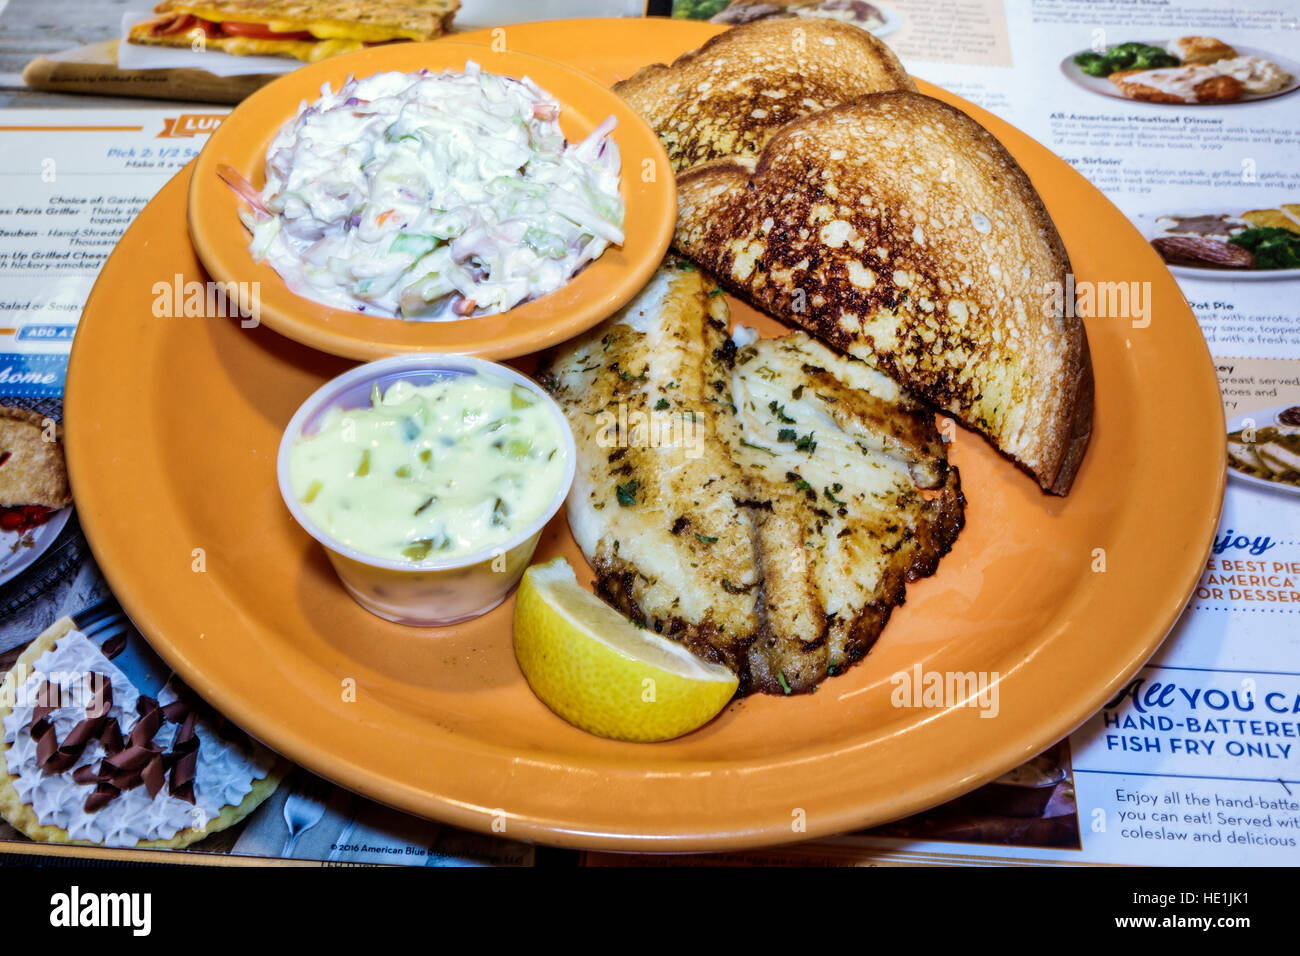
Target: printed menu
[[1197, 760]]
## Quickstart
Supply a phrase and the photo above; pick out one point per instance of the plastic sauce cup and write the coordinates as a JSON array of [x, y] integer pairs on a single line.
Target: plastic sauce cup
[[431, 592]]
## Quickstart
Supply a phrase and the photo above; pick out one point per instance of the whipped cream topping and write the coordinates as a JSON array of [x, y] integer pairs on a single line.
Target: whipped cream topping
[[223, 776]]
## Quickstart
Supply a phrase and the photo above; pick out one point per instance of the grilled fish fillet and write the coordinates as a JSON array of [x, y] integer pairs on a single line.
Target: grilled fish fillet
[[899, 230], [729, 96], [764, 503]]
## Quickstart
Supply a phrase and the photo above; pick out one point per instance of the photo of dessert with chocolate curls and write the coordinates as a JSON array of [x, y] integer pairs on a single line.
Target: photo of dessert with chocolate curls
[[89, 759]]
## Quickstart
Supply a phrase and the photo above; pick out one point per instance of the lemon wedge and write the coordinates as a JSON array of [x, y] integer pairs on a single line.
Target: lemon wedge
[[601, 672]]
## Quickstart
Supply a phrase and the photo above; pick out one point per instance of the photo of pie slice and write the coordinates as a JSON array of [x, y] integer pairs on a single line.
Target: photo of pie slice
[[32, 471]]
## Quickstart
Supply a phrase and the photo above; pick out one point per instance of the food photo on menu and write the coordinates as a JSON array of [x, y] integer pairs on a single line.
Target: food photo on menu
[[747, 433]]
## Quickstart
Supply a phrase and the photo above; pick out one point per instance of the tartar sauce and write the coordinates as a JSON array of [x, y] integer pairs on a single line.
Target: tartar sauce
[[431, 471], [434, 196]]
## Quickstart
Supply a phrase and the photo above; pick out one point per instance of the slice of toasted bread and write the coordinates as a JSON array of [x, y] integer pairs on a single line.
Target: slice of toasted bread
[[728, 97], [901, 231]]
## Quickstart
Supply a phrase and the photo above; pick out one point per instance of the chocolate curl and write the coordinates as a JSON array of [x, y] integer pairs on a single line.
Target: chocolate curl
[[183, 769], [104, 794], [231, 733], [184, 792], [102, 702], [145, 728], [80, 735], [48, 755], [91, 727], [186, 738], [61, 761], [86, 774], [83, 733], [44, 697], [134, 757], [153, 775], [144, 704], [114, 646], [111, 737], [126, 780], [176, 711], [185, 751], [41, 729]]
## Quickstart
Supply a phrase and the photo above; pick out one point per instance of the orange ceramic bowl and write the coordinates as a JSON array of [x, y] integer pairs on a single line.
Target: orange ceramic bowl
[[592, 295]]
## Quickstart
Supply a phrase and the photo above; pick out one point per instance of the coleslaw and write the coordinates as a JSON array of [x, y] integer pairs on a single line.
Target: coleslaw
[[434, 196]]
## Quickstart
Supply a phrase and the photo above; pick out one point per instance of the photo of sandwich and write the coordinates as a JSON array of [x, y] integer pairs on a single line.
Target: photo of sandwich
[[1189, 70], [307, 30], [1264, 448], [1254, 244], [859, 13]]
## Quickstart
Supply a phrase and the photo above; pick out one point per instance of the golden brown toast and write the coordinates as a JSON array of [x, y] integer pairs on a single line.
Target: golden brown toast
[[729, 96], [901, 231]]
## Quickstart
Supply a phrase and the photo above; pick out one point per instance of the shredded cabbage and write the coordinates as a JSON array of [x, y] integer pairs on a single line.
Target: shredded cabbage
[[435, 196]]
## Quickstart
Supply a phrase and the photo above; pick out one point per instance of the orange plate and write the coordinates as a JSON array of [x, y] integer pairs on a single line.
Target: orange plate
[[172, 433], [594, 294]]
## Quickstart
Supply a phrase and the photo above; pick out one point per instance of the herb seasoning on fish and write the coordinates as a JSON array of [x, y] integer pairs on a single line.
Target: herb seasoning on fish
[[430, 472]]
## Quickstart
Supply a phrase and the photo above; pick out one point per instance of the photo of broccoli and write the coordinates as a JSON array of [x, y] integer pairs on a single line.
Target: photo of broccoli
[[1125, 56]]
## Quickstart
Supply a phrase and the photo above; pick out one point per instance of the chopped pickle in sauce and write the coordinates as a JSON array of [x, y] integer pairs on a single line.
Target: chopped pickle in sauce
[[430, 472]]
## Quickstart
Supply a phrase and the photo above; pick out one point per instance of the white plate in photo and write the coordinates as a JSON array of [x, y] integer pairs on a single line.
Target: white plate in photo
[[1148, 224], [893, 21], [19, 549], [1102, 85], [1263, 418]]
